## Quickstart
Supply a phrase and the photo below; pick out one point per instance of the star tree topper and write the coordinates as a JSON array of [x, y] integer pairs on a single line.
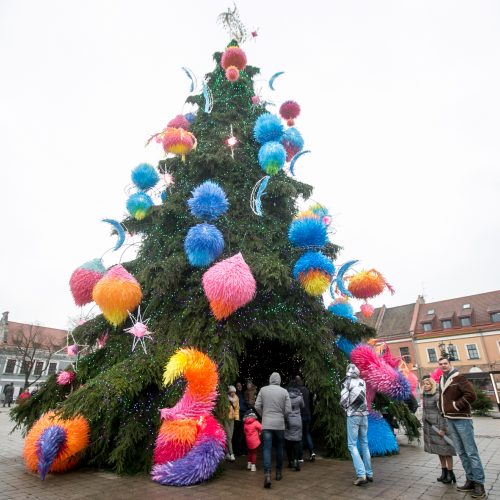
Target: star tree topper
[[139, 330]]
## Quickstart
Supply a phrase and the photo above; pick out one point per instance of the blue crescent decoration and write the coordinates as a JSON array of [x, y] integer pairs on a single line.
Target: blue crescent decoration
[[191, 76], [295, 158], [209, 100], [257, 192], [271, 81], [119, 232], [339, 280]]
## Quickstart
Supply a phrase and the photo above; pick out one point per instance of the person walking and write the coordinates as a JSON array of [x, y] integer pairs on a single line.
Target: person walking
[[293, 428], [306, 415], [435, 430], [456, 394], [233, 414], [250, 394], [353, 400], [8, 392], [238, 436], [273, 405], [253, 430]]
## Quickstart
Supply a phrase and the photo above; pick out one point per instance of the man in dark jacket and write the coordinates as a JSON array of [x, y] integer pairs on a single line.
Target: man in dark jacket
[[305, 413], [9, 394], [273, 404], [456, 396], [353, 400]]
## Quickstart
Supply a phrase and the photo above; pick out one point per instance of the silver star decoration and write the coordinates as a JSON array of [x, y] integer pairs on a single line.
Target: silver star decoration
[[139, 330]]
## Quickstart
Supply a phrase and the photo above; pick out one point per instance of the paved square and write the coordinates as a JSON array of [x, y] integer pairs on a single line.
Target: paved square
[[409, 475]]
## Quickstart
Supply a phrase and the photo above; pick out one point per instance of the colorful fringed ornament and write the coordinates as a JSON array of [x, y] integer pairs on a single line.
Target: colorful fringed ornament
[[267, 128], [178, 141], [307, 232], [289, 110], [229, 285], [117, 293], [203, 244], [341, 307], [190, 442], [180, 121], [208, 201], [381, 438], [292, 142], [55, 444], [367, 310], [233, 61], [139, 205], [272, 156], [66, 377], [145, 176], [367, 284], [314, 271], [83, 280]]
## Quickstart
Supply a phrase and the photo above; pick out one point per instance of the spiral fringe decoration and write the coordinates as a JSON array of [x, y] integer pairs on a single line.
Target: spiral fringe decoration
[[83, 279], [54, 444], [190, 443], [117, 293], [229, 285]]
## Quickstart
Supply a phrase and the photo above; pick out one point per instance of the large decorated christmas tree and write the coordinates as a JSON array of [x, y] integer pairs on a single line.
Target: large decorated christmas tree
[[225, 266]]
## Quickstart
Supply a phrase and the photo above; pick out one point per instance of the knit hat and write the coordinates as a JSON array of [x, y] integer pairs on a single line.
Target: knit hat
[[231, 388], [250, 414]]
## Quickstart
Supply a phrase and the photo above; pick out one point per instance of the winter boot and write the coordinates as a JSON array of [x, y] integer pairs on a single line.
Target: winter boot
[[279, 476], [478, 491], [267, 480], [296, 465], [443, 474], [450, 477], [468, 486]]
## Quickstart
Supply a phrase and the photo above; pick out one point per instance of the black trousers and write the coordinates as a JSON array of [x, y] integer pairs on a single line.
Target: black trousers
[[292, 450]]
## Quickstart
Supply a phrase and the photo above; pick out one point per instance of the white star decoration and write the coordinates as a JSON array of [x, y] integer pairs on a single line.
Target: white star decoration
[[139, 330]]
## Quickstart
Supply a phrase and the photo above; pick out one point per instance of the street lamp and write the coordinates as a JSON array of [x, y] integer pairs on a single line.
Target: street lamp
[[447, 352]]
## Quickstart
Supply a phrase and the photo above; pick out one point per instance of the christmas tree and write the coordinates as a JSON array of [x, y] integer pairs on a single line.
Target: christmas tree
[[284, 329]]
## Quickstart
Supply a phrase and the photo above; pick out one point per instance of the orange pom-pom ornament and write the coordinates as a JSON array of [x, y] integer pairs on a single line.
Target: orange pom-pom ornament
[[117, 293], [367, 284], [178, 141], [233, 60]]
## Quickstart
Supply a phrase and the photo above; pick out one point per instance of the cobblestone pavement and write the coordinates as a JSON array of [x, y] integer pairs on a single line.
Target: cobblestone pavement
[[409, 475]]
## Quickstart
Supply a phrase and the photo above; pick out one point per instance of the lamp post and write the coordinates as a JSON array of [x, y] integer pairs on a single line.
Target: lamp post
[[447, 352]]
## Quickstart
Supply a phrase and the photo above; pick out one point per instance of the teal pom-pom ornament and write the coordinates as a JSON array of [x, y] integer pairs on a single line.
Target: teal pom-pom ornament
[[145, 176], [307, 232], [139, 205], [272, 156], [268, 127]]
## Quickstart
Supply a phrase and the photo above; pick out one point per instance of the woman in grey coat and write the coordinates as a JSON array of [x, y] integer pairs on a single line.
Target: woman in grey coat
[[435, 431], [293, 429]]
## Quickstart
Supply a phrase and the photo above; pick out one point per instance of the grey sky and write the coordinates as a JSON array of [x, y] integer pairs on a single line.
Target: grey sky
[[400, 106]]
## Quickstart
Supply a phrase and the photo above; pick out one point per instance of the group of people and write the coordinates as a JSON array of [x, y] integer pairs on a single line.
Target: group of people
[[285, 415], [7, 395], [447, 422]]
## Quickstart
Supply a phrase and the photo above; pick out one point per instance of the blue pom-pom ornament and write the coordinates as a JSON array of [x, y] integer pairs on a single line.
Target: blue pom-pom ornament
[[145, 176], [307, 232], [203, 244], [208, 201], [139, 205], [272, 156], [344, 310], [268, 127]]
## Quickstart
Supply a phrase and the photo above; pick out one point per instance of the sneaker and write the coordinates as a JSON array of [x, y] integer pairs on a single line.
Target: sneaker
[[369, 479], [231, 458], [301, 461], [359, 481], [228, 456], [249, 465], [478, 491], [253, 468], [312, 458]]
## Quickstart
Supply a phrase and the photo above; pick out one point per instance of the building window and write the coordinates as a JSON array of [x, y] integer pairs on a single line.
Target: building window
[[466, 306], [431, 354], [38, 368], [446, 323], [430, 311], [465, 321], [495, 317], [52, 368], [405, 354], [10, 366], [472, 351], [427, 327], [25, 367], [453, 352]]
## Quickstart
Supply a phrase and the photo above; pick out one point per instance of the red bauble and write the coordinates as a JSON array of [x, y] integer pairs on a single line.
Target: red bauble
[[289, 110]]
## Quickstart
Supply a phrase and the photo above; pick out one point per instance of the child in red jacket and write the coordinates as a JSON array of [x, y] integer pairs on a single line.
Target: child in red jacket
[[252, 429]]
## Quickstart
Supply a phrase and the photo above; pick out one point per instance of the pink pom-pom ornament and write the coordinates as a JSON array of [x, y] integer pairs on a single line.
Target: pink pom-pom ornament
[[232, 73], [229, 285], [180, 121], [233, 56], [367, 310], [255, 100], [66, 377], [289, 110], [83, 280]]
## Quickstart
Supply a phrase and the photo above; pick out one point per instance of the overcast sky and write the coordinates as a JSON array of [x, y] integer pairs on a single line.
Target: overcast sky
[[400, 106]]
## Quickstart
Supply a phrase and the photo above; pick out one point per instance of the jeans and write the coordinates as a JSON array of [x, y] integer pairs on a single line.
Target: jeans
[[267, 440], [462, 432], [229, 428], [357, 429], [306, 437]]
